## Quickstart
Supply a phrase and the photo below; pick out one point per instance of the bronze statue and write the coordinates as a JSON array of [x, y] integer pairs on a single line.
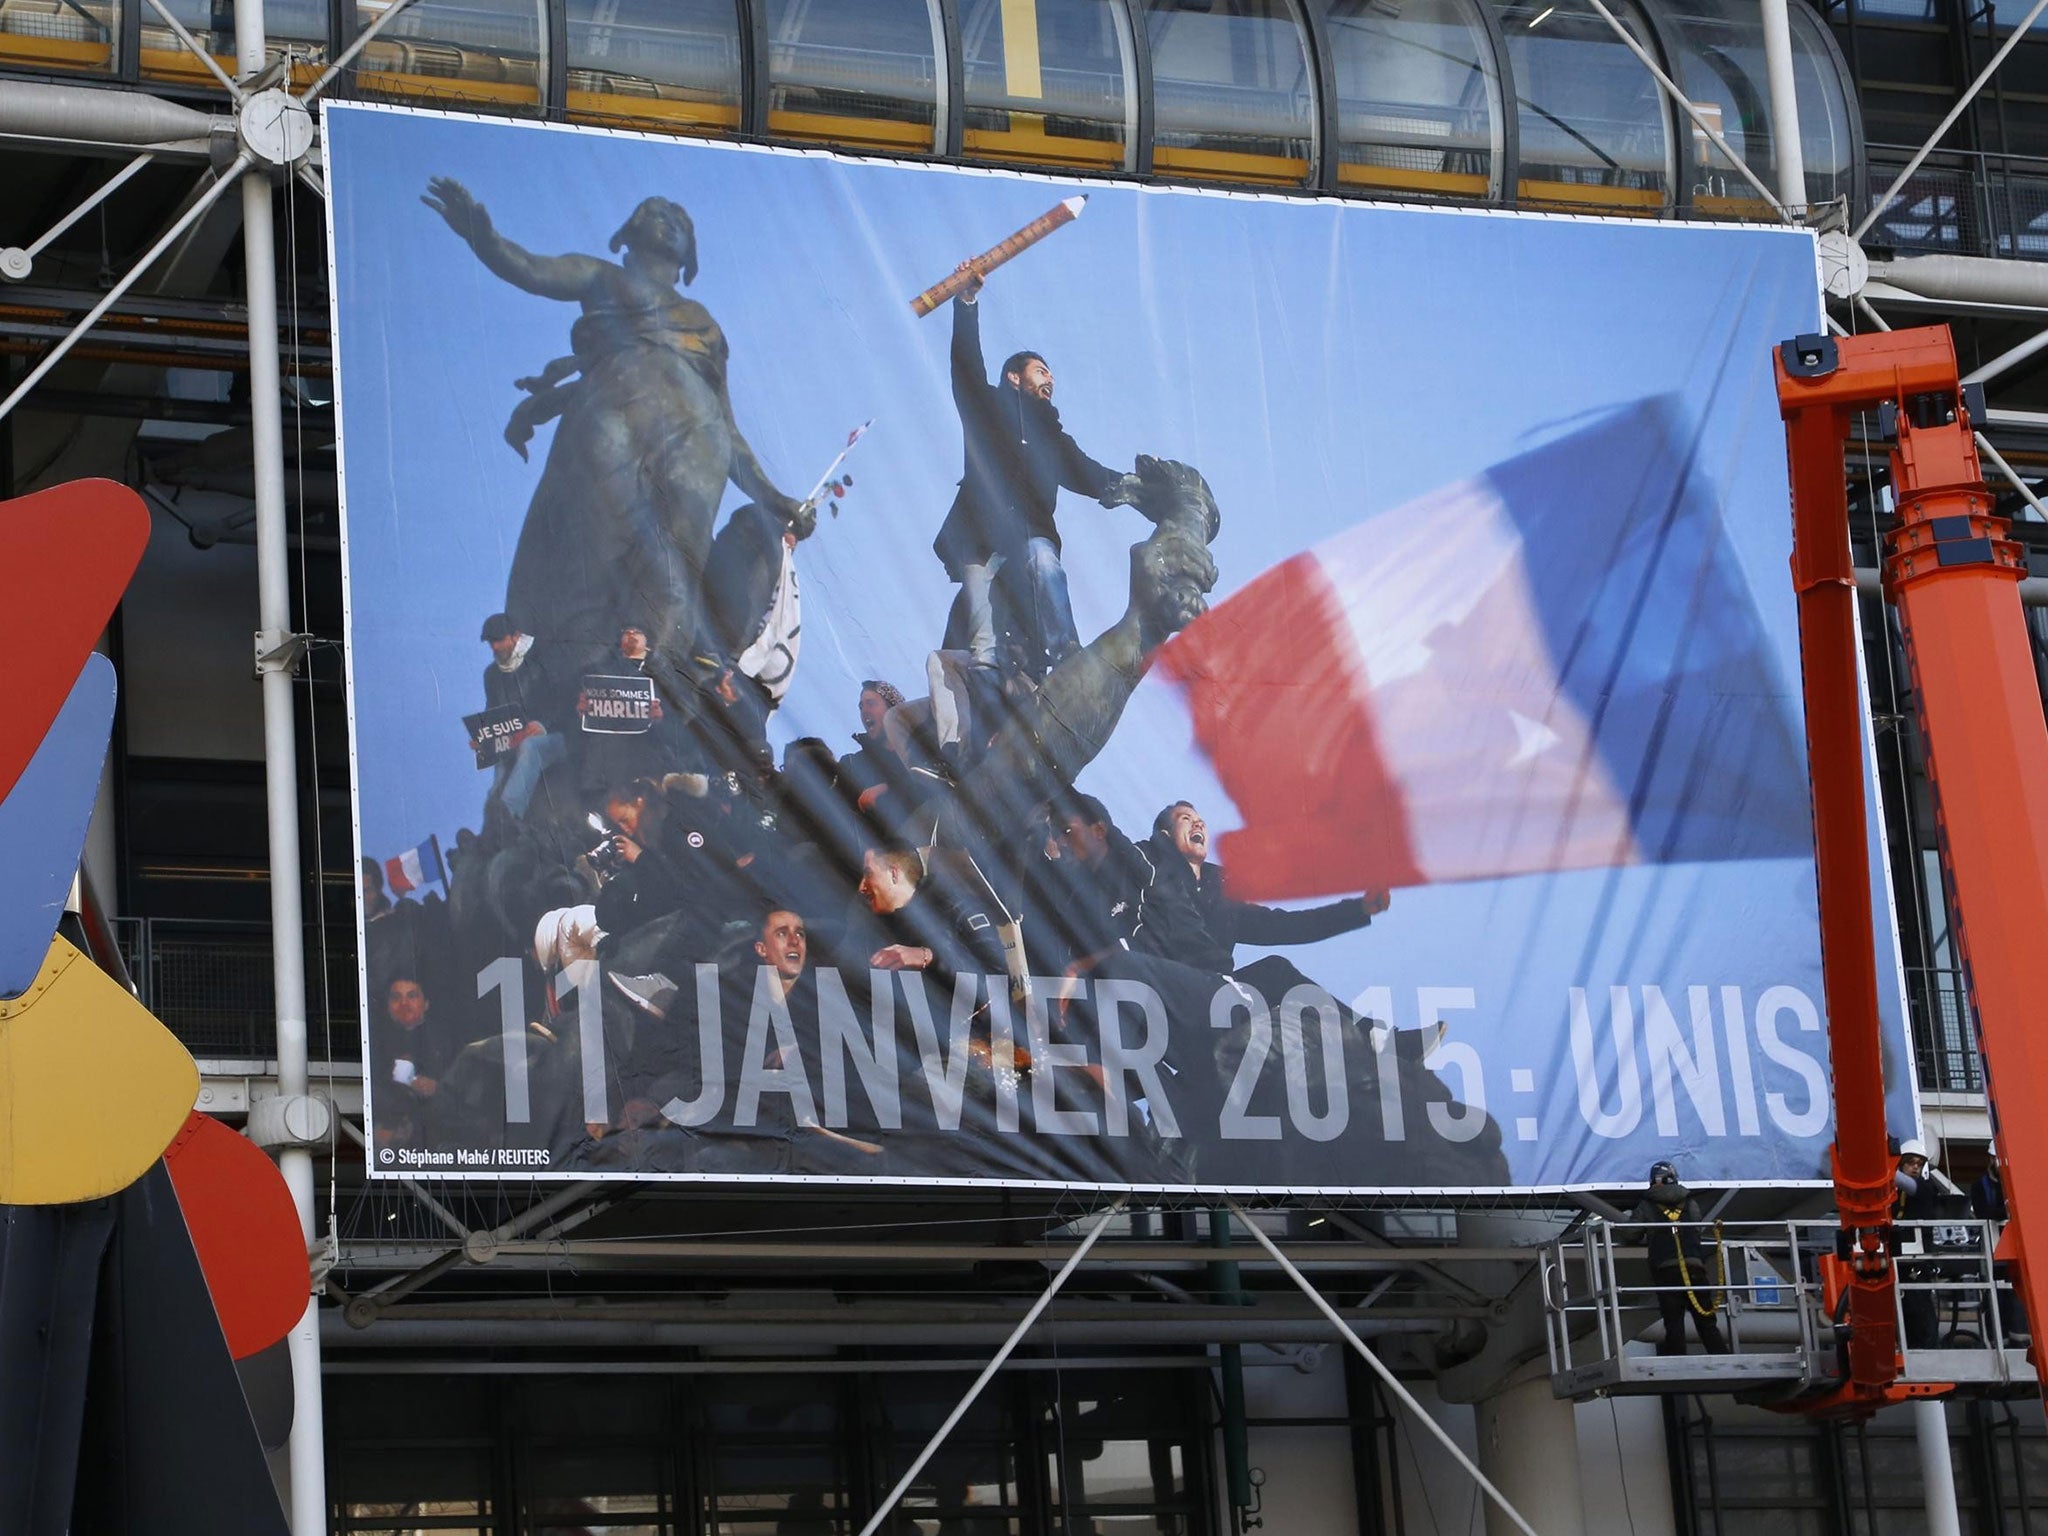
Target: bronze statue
[[1058, 731], [621, 521]]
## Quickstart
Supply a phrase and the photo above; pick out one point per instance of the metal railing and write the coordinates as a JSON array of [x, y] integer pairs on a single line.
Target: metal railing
[[1944, 1028], [1963, 203], [210, 983], [1956, 1308]]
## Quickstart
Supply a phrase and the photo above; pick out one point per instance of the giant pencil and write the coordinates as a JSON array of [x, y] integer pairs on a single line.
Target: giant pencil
[[1064, 212]]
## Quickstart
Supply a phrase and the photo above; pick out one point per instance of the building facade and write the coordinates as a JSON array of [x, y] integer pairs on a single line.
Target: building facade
[[602, 1358]]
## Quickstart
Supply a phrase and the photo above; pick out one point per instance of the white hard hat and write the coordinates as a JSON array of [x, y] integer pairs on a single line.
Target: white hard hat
[[1913, 1148]]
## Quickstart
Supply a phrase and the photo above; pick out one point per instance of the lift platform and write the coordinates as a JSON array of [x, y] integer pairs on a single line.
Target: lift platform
[[1955, 1308]]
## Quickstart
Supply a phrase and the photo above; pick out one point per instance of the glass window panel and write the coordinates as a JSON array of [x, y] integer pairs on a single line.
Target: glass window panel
[[1123, 1472], [1048, 81], [1591, 119], [1230, 88], [1418, 97], [59, 34], [1721, 67], [459, 52], [391, 1479], [862, 72], [297, 28], [608, 1480], [660, 63], [1826, 145]]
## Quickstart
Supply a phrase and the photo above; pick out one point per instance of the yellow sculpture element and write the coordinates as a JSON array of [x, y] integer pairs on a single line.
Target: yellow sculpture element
[[92, 1087]]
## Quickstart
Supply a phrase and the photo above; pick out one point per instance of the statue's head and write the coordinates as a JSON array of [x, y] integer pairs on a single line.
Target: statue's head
[[659, 227]]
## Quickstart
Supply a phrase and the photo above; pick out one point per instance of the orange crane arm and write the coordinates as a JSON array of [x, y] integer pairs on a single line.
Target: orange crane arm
[[1953, 574]]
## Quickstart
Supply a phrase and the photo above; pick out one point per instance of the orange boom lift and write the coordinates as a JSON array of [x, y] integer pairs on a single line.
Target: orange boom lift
[[1953, 573]]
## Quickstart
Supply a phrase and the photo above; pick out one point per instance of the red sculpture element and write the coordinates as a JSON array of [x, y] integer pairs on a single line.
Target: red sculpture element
[[246, 1231], [65, 558]]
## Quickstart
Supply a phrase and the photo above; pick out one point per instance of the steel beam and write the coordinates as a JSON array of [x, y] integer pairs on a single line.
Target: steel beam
[[185, 221], [1879, 204], [1379, 1367]]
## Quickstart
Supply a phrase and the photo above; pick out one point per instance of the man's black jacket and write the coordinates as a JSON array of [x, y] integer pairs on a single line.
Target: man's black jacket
[[536, 688], [1668, 1236], [687, 867], [1078, 911], [1221, 923], [1017, 456], [958, 930]]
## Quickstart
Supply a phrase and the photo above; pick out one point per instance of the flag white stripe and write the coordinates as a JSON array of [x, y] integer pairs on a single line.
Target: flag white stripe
[[1494, 761]]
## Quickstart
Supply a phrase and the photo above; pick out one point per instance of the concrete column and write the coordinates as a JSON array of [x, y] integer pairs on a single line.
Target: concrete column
[[1528, 1439], [1529, 1447]]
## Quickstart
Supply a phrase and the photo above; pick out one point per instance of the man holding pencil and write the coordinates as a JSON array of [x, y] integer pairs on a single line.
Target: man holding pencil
[[1017, 458]]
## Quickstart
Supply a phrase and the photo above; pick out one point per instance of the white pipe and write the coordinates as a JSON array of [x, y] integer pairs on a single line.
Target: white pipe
[[2013, 475], [1387, 1377], [1879, 205], [82, 114], [106, 190], [1967, 279], [128, 280], [2012, 357], [1937, 1471], [1016, 1337], [1784, 94], [307, 1451]]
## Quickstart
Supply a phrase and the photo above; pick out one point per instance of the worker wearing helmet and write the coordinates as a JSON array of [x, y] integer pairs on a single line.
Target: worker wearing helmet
[[1916, 1188], [1688, 1282]]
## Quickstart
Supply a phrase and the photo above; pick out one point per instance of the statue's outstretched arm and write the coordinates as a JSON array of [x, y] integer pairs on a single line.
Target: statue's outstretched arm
[[746, 471], [571, 278]]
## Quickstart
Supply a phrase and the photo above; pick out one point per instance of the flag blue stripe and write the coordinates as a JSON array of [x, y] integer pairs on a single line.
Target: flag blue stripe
[[1656, 637]]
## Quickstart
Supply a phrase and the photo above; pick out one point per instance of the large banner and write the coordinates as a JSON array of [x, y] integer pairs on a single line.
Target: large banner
[[895, 673]]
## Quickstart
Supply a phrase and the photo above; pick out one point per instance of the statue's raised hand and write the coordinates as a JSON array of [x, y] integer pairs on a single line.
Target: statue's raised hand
[[1172, 572], [452, 200]]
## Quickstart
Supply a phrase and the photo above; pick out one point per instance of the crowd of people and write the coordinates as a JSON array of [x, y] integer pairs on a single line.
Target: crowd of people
[[648, 951], [638, 858]]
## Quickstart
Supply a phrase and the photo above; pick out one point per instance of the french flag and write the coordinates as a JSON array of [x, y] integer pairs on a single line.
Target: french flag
[[416, 867], [1558, 664]]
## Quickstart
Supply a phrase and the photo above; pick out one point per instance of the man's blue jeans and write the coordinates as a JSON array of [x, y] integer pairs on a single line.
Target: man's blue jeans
[[1043, 604], [530, 759]]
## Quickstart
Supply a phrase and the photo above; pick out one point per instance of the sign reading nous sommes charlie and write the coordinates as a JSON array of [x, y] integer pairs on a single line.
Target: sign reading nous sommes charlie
[[1284, 695]]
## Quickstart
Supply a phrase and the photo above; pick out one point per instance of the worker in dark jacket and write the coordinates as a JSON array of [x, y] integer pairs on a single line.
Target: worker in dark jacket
[[1017, 458], [1687, 1279], [1179, 846]]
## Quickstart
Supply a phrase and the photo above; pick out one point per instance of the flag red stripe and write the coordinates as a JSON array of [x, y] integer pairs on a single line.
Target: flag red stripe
[[1280, 705]]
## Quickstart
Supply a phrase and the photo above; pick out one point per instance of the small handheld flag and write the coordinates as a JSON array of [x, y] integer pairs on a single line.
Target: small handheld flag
[[416, 867], [827, 486]]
